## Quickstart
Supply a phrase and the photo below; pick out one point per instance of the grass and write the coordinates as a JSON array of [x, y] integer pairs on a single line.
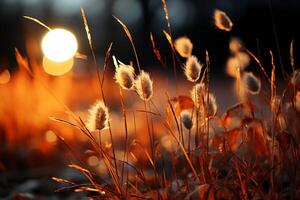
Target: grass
[[239, 154]]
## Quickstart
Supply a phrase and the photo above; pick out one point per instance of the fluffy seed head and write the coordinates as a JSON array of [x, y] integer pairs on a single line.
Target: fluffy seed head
[[186, 118], [235, 45], [211, 105], [192, 69], [251, 83], [197, 93], [244, 59], [124, 75], [240, 60], [184, 46], [232, 67], [98, 117], [222, 21], [144, 86]]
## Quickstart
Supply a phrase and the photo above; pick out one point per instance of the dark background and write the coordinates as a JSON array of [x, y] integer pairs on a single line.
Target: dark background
[[260, 24]]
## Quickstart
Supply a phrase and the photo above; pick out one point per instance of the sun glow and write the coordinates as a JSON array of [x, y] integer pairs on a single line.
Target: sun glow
[[59, 45], [57, 68], [4, 77]]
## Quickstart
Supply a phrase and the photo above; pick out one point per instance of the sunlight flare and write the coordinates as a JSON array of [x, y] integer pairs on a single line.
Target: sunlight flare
[[59, 45]]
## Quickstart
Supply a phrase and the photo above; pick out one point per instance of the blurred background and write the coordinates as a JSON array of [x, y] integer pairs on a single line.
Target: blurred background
[[31, 153], [253, 24]]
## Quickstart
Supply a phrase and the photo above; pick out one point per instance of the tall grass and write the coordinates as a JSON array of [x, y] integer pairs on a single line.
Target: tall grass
[[239, 154]]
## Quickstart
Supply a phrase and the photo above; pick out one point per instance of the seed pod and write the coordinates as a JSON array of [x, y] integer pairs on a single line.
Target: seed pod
[[186, 119], [98, 117], [251, 83], [232, 67], [144, 86], [222, 21], [192, 69], [244, 59], [239, 61], [124, 75], [184, 46], [211, 106], [197, 93], [235, 45]]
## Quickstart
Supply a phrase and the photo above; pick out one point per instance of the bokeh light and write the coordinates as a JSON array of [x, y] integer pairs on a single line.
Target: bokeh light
[[93, 161], [50, 136], [4, 77], [59, 45], [181, 13], [130, 11]]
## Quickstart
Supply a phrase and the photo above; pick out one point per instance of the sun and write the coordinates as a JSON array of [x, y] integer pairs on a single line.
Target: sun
[[59, 45], [57, 68]]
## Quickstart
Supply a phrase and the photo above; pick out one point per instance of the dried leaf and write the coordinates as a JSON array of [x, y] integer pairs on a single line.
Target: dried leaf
[[234, 139], [182, 103], [255, 137]]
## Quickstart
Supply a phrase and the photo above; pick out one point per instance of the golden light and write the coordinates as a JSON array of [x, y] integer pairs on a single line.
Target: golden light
[[59, 45], [93, 161], [57, 68], [4, 77], [50, 136]]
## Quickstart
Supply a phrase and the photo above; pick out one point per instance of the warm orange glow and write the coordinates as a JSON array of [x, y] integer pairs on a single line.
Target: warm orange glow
[[93, 161], [59, 45], [57, 68], [4, 77], [50, 136]]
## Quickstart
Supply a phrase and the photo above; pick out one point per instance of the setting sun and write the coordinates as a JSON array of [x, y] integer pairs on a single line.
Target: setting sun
[[57, 68], [59, 45]]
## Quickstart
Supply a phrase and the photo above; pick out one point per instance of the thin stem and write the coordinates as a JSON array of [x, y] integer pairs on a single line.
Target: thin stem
[[189, 143], [126, 141], [274, 117], [207, 109], [259, 64]]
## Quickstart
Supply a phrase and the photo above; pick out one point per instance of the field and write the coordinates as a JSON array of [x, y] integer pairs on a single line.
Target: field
[[112, 129]]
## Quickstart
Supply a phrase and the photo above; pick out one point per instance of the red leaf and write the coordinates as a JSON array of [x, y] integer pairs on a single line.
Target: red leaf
[[182, 103], [257, 140], [234, 138]]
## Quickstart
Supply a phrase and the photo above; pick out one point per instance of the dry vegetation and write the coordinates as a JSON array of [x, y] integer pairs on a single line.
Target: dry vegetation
[[180, 146]]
